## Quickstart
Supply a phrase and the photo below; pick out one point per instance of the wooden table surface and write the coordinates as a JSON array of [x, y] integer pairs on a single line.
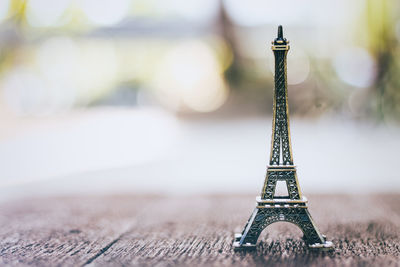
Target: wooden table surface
[[169, 231]]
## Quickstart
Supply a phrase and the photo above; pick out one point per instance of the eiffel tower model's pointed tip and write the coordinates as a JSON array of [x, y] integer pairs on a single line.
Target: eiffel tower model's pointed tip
[[279, 40], [280, 31], [270, 207]]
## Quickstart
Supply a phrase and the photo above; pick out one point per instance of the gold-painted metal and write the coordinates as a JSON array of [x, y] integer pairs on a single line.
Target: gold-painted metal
[[293, 207], [275, 207], [278, 201], [280, 47]]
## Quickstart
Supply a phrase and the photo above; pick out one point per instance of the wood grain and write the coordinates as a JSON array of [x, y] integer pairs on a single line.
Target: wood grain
[[186, 231]]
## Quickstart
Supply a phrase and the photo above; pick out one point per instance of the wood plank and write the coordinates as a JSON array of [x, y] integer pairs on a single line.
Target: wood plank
[[63, 231], [129, 230], [199, 232]]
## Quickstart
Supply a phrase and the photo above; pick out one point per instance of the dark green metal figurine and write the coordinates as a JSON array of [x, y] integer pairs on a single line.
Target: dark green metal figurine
[[270, 207]]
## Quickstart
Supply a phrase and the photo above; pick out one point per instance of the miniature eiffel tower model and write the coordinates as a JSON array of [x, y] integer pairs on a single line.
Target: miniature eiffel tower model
[[293, 207]]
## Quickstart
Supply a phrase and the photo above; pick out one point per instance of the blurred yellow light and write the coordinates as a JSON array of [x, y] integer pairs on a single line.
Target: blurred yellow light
[[97, 69], [190, 76], [139, 57], [57, 59], [46, 13], [105, 12], [64, 73], [77, 72], [223, 51]]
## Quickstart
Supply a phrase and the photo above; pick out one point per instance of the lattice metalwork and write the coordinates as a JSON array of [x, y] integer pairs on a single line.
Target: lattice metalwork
[[262, 217], [280, 134], [293, 207], [288, 175]]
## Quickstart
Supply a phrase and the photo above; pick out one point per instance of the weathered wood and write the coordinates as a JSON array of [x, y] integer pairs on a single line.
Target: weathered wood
[[129, 230], [63, 231]]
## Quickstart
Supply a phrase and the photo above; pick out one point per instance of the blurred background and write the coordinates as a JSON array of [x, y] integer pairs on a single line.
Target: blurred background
[[175, 97]]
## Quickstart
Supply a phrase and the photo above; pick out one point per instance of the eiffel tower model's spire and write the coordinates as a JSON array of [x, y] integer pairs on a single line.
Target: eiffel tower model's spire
[[280, 132], [291, 207]]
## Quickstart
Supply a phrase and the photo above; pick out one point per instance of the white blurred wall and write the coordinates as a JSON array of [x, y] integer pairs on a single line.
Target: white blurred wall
[[150, 151]]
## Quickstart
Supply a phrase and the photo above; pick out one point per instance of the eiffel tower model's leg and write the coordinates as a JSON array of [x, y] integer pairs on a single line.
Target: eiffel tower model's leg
[[293, 207]]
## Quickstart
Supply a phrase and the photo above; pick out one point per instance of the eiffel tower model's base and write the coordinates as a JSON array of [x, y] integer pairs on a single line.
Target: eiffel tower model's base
[[269, 211]]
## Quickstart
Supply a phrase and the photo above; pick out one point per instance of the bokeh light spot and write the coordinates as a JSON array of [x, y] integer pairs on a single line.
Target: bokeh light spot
[[355, 66], [105, 12], [46, 13], [190, 75]]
